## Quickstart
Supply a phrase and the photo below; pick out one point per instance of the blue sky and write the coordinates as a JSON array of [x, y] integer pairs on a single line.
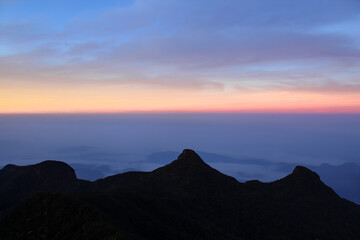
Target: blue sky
[[228, 47]]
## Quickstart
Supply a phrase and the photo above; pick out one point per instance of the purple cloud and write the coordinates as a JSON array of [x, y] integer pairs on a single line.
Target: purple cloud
[[175, 43]]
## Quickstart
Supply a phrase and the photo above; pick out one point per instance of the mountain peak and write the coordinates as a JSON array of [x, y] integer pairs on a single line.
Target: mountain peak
[[9, 167], [302, 176], [46, 173], [188, 160], [191, 169], [190, 157], [301, 172]]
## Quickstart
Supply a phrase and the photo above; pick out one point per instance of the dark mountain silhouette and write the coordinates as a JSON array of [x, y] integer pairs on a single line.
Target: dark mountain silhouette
[[344, 178], [186, 199], [17, 183]]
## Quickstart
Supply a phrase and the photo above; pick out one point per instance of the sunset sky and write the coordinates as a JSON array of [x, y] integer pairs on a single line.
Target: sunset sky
[[66, 56]]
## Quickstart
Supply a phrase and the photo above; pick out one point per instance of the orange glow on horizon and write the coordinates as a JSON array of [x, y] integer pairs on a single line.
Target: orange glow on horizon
[[102, 99]]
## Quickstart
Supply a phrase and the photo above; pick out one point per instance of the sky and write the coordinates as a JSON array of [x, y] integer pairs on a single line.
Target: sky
[[127, 140], [152, 56]]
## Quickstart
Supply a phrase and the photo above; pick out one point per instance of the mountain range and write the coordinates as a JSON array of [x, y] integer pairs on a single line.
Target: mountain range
[[186, 199], [343, 178]]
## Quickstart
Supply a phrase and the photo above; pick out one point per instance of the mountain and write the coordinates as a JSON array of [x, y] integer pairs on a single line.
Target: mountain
[[17, 183], [344, 178], [186, 199]]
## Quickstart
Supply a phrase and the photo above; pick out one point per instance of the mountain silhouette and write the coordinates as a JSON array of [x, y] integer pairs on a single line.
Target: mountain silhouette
[[17, 183], [186, 199], [344, 178]]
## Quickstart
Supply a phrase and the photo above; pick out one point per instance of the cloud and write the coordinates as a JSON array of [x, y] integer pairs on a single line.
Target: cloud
[[174, 44], [322, 87]]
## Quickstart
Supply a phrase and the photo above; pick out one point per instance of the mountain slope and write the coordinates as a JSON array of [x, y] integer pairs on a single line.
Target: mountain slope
[[55, 216], [18, 183], [187, 199]]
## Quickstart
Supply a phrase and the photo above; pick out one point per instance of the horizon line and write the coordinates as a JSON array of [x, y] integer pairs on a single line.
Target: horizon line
[[183, 112]]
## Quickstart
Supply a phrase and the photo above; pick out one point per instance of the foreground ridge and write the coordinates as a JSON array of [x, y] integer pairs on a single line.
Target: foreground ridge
[[186, 199]]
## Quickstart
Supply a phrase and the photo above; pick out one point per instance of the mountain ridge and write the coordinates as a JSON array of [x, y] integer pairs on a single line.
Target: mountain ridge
[[186, 199]]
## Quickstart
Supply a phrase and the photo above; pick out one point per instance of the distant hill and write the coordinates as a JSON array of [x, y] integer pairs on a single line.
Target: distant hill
[[186, 199]]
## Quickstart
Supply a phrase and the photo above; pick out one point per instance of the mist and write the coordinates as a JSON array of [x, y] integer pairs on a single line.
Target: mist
[[116, 142]]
